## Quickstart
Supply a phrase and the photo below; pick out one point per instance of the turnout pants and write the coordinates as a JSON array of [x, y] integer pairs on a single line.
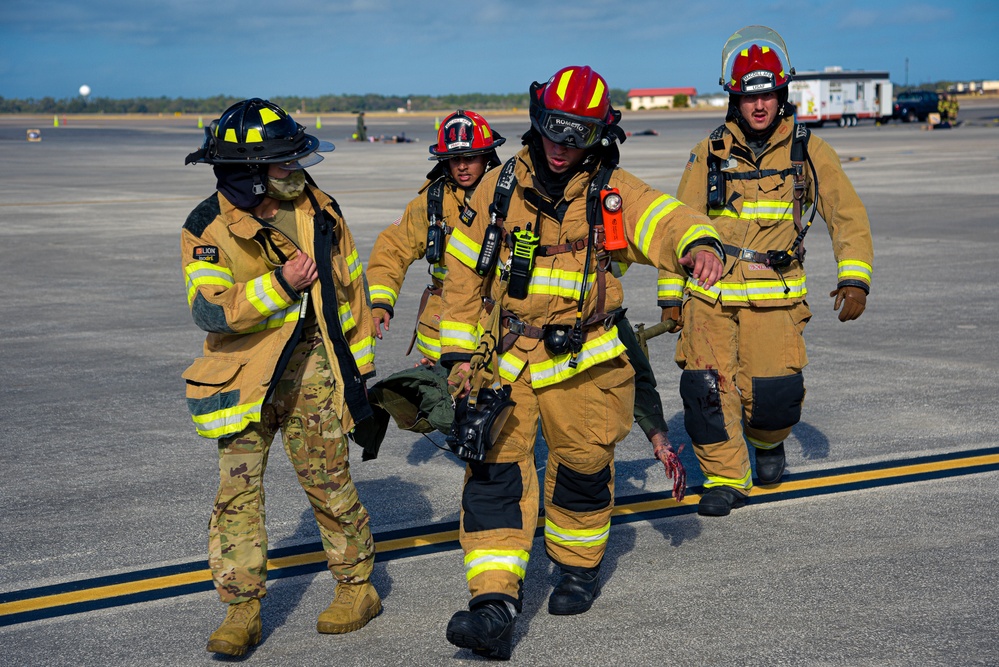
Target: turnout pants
[[302, 407], [741, 381], [582, 419]]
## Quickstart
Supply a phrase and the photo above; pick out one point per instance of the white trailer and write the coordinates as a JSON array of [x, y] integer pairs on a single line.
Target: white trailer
[[843, 97]]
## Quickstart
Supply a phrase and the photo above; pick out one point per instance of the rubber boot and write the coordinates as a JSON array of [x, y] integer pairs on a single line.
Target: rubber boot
[[575, 592], [487, 629], [720, 500], [352, 607], [770, 464], [239, 631]]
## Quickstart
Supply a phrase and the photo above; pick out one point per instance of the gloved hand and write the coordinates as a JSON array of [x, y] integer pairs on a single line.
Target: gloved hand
[[663, 451], [853, 299], [674, 313], [459, 380]]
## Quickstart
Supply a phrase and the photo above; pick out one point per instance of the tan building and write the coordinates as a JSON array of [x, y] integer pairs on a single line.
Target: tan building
[[658, 98]]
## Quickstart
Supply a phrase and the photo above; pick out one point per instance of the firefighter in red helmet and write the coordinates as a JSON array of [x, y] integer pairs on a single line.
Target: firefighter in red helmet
[[755, 176], [465, 150], [530, 287]]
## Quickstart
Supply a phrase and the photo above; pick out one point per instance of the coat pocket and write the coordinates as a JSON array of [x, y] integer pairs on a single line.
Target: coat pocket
[[208, 379]]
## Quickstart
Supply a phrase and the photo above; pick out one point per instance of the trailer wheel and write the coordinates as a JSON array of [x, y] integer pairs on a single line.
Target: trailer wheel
[[911, 117], [842, 121]]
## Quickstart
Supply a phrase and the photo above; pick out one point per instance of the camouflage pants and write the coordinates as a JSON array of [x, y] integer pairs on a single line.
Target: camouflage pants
[[302, 407]]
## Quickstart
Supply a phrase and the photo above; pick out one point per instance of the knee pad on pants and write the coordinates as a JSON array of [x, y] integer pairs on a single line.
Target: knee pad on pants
[[777, 402], [702, 409], [491, 498], [581, 492]]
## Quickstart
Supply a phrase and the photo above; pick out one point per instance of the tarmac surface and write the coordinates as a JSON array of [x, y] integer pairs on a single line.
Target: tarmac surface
[[879, 548]]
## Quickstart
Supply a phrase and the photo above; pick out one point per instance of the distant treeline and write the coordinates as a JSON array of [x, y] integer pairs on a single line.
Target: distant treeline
[[324, 104]]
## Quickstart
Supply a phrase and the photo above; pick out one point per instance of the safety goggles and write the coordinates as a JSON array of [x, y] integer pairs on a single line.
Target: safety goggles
[[569, 130]]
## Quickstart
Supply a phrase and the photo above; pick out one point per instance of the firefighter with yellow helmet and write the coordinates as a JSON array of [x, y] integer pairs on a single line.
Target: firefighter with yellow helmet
[[529, 288], [741, 346], [273, 276], [465, 150]]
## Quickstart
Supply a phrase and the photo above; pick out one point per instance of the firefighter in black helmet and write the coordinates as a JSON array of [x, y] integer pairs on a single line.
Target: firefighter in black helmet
[[265, 259]]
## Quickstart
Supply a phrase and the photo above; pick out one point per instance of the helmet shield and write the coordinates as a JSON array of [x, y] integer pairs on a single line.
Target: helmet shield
[[569, 130], [755, 60]]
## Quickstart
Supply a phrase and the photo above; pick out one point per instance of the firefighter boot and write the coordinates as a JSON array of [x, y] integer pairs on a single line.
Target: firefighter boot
[[770, 464], [352, 607], [719, 501], [575, 591], [487, 629], [239, 631]]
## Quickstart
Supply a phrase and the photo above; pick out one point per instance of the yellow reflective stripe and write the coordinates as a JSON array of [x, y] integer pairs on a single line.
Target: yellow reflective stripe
[[646, 227], [261, 293], [278, 319], [595, 351], [464, 249], [438, 271], [670, 288], [197, 274], [746, 482], [586, 537], [694, 233], [563, 84], [478, 561], [429, 346], [853, 268], [347, 321], [457, 334], [598, 94], [510, 366], [268, 115], [230, 135], [768, 210], [227, 421], [756, 290], [557, 282], [383, 293], [722, 212], [759, 444], [354, 265], [364, 351]]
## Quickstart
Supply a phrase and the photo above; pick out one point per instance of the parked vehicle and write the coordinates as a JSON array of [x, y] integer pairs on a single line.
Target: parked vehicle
[[843, 97], [915, 105]]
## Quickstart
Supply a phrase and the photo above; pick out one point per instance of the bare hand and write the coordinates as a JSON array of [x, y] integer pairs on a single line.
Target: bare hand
[[425, 361], [673, 314], [379, 318], [663, 451], [300, 272], [459, 382], [705, 266]]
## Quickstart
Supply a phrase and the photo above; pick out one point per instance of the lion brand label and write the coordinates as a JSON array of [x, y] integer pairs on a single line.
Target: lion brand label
[[207, 253]]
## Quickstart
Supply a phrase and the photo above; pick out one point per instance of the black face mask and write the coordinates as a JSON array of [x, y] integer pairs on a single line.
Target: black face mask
[[243, 185]]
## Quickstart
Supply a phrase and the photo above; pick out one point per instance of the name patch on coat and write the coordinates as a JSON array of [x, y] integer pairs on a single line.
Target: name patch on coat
[[467, 215], [206, 253]]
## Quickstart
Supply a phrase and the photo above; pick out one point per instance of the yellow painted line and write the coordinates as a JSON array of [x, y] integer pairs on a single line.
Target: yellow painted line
[[387, 546]]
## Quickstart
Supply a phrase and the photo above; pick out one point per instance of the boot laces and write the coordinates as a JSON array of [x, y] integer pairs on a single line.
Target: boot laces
[[345, 593], [241, 613]]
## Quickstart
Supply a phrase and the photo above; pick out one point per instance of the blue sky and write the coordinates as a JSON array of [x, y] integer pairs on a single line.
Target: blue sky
[[243, 48]]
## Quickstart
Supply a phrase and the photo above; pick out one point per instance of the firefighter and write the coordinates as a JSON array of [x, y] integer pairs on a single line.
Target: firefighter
[[554, 305], [465, 150], [273, 276], [741, 348]]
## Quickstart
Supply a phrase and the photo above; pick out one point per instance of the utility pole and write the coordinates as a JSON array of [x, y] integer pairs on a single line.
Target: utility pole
[[907, 72]]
